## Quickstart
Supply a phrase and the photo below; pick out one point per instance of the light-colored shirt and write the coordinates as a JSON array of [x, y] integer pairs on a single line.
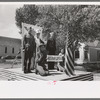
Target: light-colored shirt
[[37, 42]]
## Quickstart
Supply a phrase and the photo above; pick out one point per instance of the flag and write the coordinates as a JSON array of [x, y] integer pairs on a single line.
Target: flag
[[69, 57]]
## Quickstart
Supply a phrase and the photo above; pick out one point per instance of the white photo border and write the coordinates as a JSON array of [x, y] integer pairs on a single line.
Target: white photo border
[[42, 89]]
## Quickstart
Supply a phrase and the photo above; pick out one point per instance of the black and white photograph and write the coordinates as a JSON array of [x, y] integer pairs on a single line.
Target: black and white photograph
[[49, 42]]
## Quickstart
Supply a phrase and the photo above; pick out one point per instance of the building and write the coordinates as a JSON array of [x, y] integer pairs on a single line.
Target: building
[[9, 46], [88, 52]]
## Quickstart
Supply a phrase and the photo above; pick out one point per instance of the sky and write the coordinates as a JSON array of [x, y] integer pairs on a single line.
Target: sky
[[8, 27]]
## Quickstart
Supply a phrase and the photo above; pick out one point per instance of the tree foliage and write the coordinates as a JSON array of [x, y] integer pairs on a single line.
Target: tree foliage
[[81, 21], [26, 14]]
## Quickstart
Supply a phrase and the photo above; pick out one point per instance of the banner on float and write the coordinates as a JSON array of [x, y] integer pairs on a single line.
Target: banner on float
[[54, 58], [35, 29]]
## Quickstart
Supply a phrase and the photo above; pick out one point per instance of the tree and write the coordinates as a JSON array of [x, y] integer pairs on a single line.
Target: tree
[[27, 14], [81, 21]]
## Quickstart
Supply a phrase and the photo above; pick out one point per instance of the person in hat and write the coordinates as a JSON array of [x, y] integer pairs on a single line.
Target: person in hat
[[41, 60], [51, 48], [38, 41], [29, 48], [60, 65]]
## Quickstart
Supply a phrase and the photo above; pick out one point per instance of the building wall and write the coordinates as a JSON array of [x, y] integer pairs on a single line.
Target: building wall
[[10, 43], [93, 54]]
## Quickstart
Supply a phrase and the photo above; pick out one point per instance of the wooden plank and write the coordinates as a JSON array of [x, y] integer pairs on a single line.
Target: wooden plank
[[61, 76], [10, 74], [22, 75], [83, 77]]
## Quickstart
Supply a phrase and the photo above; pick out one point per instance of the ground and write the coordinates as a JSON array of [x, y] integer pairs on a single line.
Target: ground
[[96, 75], [9, 65]]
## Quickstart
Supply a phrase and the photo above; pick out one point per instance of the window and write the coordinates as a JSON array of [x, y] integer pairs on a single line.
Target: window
[[98, 55], [77, 54], [12, 50], [5, 49], [86, 54]]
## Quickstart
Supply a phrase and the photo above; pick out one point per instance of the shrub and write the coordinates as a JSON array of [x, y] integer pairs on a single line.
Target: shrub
[[9, 57], [91, 66], [18, 57]]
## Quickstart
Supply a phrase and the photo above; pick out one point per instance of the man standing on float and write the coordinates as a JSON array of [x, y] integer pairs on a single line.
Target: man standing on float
[[51, 48], [29, 48]]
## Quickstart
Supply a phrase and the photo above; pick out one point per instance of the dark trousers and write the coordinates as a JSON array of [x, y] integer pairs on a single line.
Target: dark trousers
[[27, 60], [42, 64], [42, 61], [51, 64], [62, 63]]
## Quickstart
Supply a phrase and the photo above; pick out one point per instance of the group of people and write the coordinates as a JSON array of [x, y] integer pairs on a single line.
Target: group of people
[[35, 50]]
